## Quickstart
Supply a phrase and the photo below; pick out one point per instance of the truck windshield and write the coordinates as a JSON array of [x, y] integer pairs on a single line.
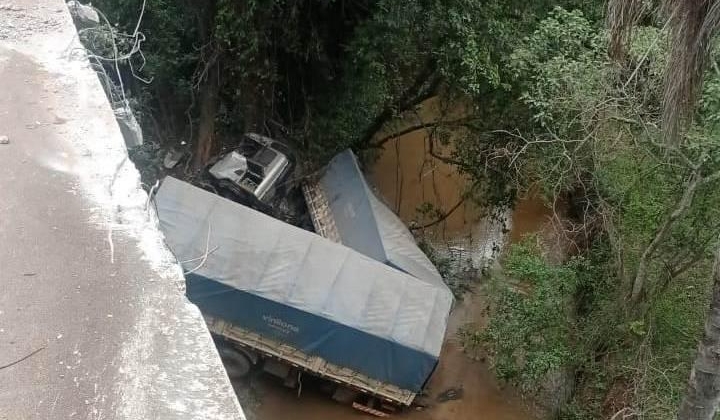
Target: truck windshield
[[264, 157]]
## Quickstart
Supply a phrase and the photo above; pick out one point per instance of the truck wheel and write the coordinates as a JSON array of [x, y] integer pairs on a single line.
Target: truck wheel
[[236, 363]]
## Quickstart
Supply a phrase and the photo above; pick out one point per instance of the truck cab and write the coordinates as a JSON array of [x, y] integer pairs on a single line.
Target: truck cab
[[254, 173]]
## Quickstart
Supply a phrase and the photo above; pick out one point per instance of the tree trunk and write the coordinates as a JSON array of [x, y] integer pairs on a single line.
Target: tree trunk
[[209, 102], [209, 85], [703, 391]]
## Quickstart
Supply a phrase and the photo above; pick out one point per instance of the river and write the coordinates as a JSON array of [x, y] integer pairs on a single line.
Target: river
[[407, 177]]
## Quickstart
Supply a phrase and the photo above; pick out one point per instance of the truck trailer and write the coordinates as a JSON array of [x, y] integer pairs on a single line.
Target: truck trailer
[[296, 302]]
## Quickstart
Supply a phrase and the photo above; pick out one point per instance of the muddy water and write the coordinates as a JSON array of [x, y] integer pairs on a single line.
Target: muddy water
[[482, 398], [406, 176], [530, 215]]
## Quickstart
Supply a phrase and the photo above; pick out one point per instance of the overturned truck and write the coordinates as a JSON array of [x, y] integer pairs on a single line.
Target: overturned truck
[[295, 302]]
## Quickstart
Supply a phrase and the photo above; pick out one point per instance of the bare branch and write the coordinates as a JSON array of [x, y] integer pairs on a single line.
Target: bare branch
[[440, 123], [695, 181], [440, 219], [204, 256]]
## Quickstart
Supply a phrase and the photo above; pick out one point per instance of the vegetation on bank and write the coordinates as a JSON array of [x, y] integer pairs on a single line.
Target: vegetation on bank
[[626, 313], [544, 107]]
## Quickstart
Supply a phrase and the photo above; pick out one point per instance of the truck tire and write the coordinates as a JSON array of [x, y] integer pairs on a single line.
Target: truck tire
[[237, 364]]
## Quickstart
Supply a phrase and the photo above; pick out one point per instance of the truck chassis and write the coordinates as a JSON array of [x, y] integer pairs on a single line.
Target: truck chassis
[[268, 348]]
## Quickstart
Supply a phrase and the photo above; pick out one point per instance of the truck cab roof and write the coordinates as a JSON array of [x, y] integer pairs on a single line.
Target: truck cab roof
[[257, 165]]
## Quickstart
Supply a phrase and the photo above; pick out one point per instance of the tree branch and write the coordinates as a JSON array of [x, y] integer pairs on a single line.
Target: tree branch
[[379, 143], [683, 206], [423, 87], [441, 218], [679, 269], [445, 159], [661, 233]]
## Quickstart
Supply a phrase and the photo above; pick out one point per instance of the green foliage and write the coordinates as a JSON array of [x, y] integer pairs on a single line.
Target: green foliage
[[396, 59], [330, 73], [533, 331], [399, 54], [677, 319], [546, 318], [271, 57], [560, 67], [553, 78], [710, 104], [595, 133]]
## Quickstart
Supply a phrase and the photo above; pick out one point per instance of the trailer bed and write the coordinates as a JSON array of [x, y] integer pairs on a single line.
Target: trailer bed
[[313, 364]]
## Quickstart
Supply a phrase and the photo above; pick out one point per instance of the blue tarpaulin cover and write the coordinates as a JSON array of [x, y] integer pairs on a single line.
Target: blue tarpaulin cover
[[367, 225], [294, 286]]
